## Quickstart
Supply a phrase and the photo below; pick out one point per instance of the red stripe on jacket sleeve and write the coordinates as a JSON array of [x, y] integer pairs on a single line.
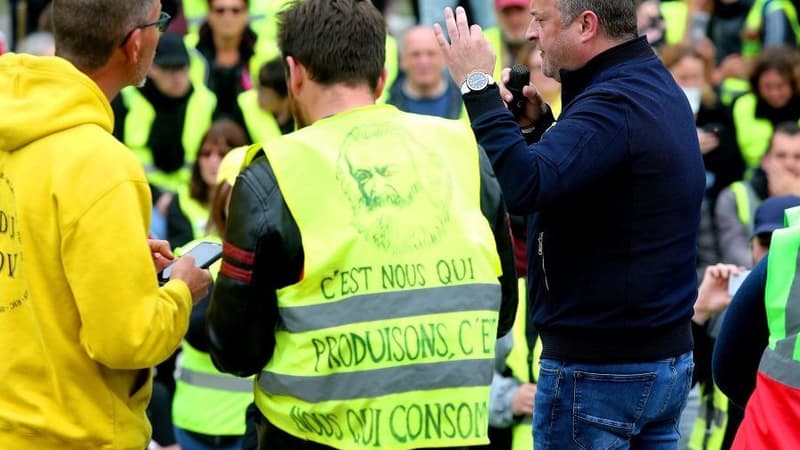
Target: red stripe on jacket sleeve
[[235, 273], [238, 254]]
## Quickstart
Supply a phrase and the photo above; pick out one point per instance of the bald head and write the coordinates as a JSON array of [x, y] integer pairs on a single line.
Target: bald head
[[421, 58]]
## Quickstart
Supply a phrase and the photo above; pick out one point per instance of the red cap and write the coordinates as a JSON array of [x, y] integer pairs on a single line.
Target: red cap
[[502, 4]]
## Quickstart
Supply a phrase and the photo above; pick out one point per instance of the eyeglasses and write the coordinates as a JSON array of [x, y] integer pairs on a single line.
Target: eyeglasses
[[233, 10], [160, 24]]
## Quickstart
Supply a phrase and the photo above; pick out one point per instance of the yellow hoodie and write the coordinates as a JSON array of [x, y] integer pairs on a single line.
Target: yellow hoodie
[[82, 318]]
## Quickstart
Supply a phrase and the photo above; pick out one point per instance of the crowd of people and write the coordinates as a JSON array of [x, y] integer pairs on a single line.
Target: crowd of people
[[587, 244]]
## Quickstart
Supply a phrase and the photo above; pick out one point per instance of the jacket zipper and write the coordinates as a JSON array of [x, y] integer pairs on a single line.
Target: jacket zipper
[[541, 255]]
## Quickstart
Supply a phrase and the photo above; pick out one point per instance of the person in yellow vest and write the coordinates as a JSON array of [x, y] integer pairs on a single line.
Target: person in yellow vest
[[228, 43], [755, 362], [265, 110], [367, 266], [208, 409], [774, 98], [779, 174], [516, 362], [718, 419], [712, 415], [190, 206], [262, 15], [770, 23], [163, 121], [82, 318], [508, 37], [425, 87]]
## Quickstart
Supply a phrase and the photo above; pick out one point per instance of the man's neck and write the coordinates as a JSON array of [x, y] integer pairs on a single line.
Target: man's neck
[[418, 92], [107, 80], [331, 100]]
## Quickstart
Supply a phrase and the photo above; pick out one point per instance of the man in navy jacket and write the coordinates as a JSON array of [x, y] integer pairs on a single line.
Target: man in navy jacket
[[613, 192]]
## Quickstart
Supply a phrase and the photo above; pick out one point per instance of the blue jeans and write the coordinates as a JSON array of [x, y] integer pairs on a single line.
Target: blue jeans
[[611, 406]]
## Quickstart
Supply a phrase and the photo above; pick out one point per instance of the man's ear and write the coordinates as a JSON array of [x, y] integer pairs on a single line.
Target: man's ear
[[590, 25], [297, 75], [133, 46], [381, 83]]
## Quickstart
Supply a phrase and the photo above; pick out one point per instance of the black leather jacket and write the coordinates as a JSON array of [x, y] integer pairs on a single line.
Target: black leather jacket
[[269, 252]]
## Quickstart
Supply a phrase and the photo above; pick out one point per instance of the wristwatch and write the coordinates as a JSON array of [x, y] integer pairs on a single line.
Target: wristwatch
[[476, 81]]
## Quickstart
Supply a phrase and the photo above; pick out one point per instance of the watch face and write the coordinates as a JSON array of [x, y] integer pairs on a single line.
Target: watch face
[[477, 81]]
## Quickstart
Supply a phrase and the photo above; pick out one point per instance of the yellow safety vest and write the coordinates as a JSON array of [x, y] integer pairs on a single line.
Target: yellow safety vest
[[391, 66], [388, 340], [139, 121], [196, 212], [495, 37], [755, 22], [261, 125], [731, 89], [523, 365], [746, 203], [675, 17], [206, 400], [752, 133], [198, 66], [712, 419]]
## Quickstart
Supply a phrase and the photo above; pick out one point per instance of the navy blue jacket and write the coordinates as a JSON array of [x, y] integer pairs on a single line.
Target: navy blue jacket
[[613, 193]]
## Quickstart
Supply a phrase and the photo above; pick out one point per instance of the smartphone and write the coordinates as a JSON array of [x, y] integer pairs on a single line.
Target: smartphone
[[204, 253], [735, 281]]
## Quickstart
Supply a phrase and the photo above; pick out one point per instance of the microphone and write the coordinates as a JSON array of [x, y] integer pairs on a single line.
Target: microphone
[[519, 77]]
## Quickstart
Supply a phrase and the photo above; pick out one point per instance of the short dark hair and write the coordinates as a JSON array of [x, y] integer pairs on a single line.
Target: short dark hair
[[782, 59], [617, 17], [272, 75], [337, 41], [788, 128], [88, 31]]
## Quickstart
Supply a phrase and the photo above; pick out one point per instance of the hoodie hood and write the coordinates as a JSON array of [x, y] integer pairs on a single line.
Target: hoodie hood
[[40, 96]]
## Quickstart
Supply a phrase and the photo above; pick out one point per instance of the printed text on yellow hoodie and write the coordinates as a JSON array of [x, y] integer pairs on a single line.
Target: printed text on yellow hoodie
[[81, 315]]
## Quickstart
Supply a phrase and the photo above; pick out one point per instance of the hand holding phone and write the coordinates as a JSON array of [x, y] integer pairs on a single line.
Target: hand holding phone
[[204, 254], [191, 268]]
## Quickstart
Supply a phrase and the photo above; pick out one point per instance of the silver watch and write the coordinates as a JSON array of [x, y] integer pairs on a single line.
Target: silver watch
[[476, 81]]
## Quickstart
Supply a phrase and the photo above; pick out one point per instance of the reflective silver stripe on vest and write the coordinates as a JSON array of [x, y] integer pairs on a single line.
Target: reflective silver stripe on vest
[[218, 382], [379, 382], [392, 305], [780, 368]]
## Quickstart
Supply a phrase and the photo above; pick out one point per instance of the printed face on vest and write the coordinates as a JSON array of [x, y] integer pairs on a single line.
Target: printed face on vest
[[399, 195]]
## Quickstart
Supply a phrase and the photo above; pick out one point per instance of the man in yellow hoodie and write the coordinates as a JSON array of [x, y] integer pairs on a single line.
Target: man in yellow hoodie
[[82, 318]]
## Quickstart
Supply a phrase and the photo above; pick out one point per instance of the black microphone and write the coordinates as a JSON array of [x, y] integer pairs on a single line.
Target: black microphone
[[519, 77]]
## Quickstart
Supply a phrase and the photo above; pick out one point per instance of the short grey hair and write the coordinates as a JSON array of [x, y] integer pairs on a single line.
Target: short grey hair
[[617, 17], [88, 31]]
